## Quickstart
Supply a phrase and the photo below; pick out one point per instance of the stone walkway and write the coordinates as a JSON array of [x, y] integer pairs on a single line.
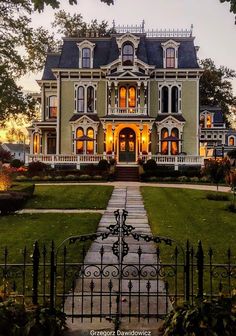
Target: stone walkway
[[130, 199]]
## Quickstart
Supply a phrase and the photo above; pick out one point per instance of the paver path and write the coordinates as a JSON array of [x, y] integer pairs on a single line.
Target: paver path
[[130, 199]]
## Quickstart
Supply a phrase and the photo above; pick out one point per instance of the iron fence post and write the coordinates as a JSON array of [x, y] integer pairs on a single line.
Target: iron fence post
[[187, 272], [200, 269], [52, 277], [36, 257]]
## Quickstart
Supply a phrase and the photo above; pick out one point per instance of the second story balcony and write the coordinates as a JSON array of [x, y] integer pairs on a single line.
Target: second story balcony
[[127, 111]]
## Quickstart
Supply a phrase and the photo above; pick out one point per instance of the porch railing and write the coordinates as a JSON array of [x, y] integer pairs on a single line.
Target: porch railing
[[175, 159], [127, 111]]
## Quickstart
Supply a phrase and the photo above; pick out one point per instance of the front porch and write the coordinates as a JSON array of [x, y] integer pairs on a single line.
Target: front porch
[[78, 160]]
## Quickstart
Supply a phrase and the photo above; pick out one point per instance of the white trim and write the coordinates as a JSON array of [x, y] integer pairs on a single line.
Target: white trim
[[85, 85], [82, 45], [169, 85]]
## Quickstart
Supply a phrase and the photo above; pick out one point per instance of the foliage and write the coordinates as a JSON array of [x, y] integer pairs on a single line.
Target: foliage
[[12, 201], [231, 180], [150, 165], [16, 163], [217, 197], [18, 320], [217, 170], [232, 154], [103, 165], [204, 318], [232, 5], [5, 156], [216, 87], [5, 181], [74, 25], [36, 167]]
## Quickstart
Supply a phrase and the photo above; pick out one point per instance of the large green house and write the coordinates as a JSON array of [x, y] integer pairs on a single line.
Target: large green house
[[130, 95]]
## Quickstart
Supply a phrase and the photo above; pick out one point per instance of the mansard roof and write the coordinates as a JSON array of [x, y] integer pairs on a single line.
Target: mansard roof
[[217, 113], [106, 51]]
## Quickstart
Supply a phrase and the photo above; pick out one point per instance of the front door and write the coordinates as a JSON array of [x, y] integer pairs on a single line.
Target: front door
[[127, 145]]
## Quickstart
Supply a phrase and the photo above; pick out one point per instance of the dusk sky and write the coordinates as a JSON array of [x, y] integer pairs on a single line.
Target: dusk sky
[[214, 26]]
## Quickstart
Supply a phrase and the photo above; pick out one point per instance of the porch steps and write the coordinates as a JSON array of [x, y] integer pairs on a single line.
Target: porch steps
[[127, 173]]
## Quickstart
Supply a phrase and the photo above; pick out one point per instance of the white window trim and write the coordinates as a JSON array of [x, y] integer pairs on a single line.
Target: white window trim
[[85, 86], [232, 137], [85, 128], [89, 45], [169, 86], [170, 44]]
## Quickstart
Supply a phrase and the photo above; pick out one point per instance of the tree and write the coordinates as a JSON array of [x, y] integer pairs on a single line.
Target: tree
[[216, 87], [217, 170], [74, 25]]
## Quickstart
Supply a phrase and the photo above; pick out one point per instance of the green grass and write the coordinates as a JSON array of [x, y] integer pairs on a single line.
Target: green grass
[[70, 197]]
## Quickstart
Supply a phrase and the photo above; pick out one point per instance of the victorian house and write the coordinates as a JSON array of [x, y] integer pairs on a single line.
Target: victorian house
[[128, 95]]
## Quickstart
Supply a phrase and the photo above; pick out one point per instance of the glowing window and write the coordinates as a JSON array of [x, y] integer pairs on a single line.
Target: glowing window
[[175, 144], [90, 144], [132, 97], [123, 97], [231, 141], [128, 54], [36, 143], [52, 102], [170, 58], [208, 121], [86, 58], [164, 144], [79, 144]]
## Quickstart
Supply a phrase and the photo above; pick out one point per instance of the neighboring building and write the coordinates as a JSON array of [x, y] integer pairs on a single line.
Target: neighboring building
[[132, 94], [215, 138], [18, 151]]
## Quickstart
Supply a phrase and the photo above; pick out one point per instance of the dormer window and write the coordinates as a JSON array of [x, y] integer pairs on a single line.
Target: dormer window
[[128, 54], [86, 58], [170, 58]]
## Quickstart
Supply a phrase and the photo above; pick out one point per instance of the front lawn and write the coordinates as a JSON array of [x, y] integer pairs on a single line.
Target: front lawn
[[184, 214], [70, 197]]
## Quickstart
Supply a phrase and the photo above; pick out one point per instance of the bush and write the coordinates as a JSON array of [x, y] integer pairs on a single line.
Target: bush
[[84, 177], [216, 317], [21, 178], [36, 178], [59, 178], [70, 177], [231, 207], [150, 165], [36, 167], [12, 201], [17, 163], [216, 170], [232, 154], [5, 181], [204, 179], [18, 320], [103, 165], [217, 197], [97, 177], [5, 156], [194, 179], [182, 179], [152, 179], [47, 178]]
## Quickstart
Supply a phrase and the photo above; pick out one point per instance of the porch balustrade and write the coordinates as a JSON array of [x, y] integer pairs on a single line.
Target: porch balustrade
[[127, 111]]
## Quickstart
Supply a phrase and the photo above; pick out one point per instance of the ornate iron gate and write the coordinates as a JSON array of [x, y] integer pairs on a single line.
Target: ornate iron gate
[[123, 281]]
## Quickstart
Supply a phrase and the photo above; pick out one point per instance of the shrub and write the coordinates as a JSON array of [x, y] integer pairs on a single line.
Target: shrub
[[5, 181], [84, 177], [231, 207], [217, 170], [204, 179], [18, 320], [12, 201], [103, 165], [59, 178], [21, 178], [112, 162], [70, 177], [194, 179], [150, 165], [232, 154], [152, 179], [5, 156], [216, 317], [17, 163], [36, 167], [182, 179], [47, 178], [97, 177], [217, 197], [36, 178]]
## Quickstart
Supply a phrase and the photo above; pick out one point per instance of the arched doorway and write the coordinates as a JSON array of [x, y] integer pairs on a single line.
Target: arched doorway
[[127, 145]]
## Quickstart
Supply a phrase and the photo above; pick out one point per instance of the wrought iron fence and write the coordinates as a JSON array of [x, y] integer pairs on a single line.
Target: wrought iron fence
[[115, 285]]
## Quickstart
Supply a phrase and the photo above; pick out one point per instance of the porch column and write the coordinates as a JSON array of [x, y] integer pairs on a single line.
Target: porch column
[[141, 139], [113, 138], [109, 96], [138, 98], [149, 139], [145, 97], [104, 139], [116, 97]]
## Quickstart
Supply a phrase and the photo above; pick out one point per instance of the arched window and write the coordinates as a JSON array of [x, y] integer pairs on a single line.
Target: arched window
[[174, 99], [132, 97], [80, 99], [208, 121], [90, 144], [170, 58], [123, 97], [79, 144], [164, 144], [52, 107], [90, 99], [231, 141], [86, 58], [128, 54], [175, 143], [36, 143], [202, 121], [165, 99]]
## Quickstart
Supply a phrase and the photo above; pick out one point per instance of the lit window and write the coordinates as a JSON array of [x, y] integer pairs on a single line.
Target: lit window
[[36, 143], [86, 58], [165, 99], [231, 141], [175, 143], [127, 97], [208, 121], [90, 99], [80, 99], [79, 144], [52, 102], [174, 99], [90, 144], [170, 58], [164, 144], [128, 54], [132, 97], [123, 97]]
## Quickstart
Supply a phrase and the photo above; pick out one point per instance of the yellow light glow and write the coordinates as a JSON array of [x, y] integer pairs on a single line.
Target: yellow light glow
[[5, 182], [111, 139], [143, 139]]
